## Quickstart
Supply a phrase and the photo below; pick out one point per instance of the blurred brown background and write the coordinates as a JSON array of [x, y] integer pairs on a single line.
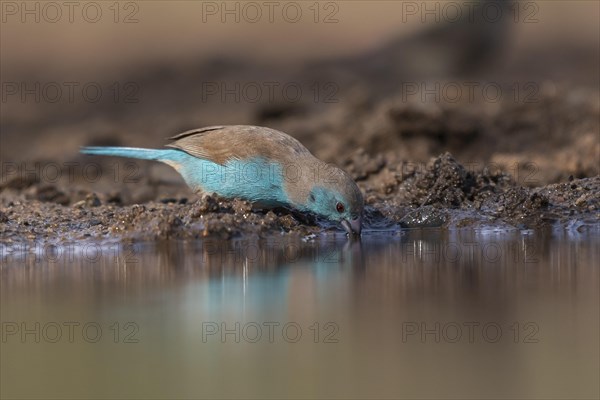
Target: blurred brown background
[[163, 67]]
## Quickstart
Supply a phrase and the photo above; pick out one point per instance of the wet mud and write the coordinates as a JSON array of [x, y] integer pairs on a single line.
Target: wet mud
[[444, 194]]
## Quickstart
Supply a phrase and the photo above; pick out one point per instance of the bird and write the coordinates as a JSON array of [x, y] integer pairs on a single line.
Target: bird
[[259, 164]]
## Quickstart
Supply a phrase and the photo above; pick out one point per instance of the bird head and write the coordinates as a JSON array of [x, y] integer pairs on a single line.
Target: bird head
[[336, 197]]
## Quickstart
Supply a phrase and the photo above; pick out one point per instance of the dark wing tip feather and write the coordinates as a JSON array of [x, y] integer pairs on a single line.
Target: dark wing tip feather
[[196, 131]]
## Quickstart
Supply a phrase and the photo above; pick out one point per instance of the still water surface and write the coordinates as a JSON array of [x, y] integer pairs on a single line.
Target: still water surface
[[417, 314]]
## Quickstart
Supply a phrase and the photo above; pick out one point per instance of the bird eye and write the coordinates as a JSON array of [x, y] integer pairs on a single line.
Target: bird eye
[[340, 207]]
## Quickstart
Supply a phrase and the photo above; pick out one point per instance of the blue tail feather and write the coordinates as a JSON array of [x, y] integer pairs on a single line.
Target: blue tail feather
[[133, 152]]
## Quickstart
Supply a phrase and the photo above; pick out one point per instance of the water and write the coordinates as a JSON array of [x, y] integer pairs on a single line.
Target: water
[[417, 314]]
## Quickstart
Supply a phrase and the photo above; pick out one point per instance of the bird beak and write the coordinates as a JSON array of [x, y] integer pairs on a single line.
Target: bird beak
[[353, 227]]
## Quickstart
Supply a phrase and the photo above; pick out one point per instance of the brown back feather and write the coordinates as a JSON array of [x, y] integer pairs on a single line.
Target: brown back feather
[[220, 144]]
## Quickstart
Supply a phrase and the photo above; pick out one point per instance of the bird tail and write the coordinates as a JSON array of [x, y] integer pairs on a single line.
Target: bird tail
[[131, 152]]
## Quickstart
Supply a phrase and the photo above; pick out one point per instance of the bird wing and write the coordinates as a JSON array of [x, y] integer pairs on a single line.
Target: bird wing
[[220, 144]]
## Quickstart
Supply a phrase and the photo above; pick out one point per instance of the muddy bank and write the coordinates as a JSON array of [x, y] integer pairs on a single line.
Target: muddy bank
[[443, 194]]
